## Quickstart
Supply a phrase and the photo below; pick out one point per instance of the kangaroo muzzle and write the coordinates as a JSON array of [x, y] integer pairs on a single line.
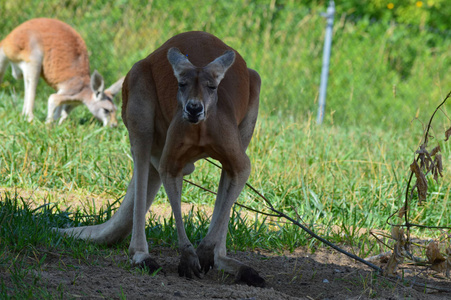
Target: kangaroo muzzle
[[194, 112]]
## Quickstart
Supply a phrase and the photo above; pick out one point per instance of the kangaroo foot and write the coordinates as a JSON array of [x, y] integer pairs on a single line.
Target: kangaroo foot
[[189, 263], [206, 257]]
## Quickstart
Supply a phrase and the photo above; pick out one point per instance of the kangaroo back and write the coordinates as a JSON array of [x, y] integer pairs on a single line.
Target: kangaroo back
[[64, 53]]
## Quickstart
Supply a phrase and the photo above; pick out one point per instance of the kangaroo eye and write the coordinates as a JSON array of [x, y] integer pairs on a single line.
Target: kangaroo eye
[[106, 111], [212, 87], [182, 84]]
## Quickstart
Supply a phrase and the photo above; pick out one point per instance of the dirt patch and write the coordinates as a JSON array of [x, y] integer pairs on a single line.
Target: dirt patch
[[299, 275]]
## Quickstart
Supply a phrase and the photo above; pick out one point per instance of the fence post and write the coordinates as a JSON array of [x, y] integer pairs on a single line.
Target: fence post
[[329, 15]]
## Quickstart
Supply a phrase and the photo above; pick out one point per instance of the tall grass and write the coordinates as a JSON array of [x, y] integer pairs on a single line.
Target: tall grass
[[329, 174]]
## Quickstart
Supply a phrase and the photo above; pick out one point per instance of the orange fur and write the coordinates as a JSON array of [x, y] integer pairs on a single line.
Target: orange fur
[[65, 53]]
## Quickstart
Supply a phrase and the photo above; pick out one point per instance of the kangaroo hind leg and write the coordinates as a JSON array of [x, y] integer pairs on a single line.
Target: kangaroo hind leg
[[212, 250]]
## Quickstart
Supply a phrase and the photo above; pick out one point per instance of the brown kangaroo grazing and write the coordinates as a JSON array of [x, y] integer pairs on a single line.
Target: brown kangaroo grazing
[[54, 50], [192, 98]]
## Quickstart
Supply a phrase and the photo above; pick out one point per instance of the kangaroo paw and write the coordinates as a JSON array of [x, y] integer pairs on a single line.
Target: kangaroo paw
[[189, 263], [206, 257]]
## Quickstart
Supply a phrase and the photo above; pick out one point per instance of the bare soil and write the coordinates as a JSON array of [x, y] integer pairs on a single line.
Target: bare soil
[[322, 275]]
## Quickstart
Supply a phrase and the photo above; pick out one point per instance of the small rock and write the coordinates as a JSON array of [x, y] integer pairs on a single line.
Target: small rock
[[326, 281]]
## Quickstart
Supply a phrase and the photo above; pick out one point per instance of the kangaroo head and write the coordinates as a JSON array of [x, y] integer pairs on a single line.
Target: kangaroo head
[[198, 87], [102, 106]]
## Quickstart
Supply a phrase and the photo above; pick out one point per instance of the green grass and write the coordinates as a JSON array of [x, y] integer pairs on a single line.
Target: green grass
[[330, 175], [350, 173]]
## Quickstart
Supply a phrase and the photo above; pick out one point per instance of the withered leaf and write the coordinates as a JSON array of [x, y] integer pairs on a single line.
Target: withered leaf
[[422, 156], [401, 213], [421, 184], [439, 263], [437, 170], [414, 167], [392, 266], [397, 233], [433, 253], [397, 257], [447, 134], [436, 150]]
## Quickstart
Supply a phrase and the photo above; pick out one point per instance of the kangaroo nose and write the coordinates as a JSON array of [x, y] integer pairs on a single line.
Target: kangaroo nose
[[194, 108]]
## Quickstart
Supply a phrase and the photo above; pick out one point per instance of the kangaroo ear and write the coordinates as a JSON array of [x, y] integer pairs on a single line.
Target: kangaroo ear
[[97, 83], [221, 64], [179, 62], [115, 87]]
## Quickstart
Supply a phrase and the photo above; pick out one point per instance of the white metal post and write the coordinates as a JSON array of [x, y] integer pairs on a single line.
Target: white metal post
[[329, 15]]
